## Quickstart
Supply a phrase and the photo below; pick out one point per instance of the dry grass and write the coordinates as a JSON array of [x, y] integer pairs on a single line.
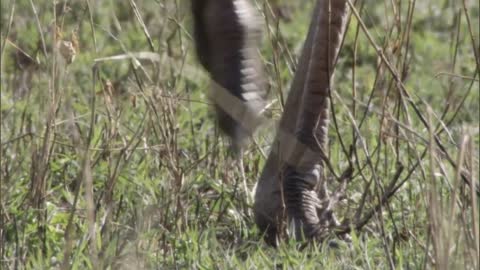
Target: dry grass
[[109, 158]]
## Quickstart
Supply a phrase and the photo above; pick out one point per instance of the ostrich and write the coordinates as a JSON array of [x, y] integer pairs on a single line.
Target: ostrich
[[227, 35]]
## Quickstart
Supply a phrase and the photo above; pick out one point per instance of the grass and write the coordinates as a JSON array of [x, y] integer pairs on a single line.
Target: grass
[[118, 164]]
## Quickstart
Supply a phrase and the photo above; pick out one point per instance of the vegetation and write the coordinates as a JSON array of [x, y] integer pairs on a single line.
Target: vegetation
[[110, 157]]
